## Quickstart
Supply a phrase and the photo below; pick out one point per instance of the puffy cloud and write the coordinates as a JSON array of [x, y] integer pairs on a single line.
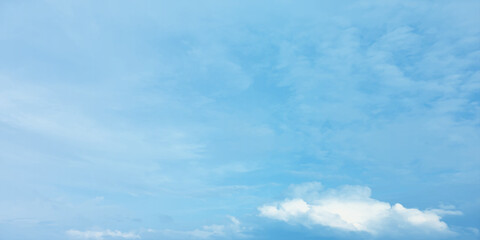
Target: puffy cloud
[[102, 234], [351, 208]]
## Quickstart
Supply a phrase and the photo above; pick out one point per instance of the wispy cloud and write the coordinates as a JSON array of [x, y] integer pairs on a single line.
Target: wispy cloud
[[196, 110], [99, 235], [230, 230]]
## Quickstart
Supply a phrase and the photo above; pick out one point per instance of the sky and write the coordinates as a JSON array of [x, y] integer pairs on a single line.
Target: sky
[[219, 119]]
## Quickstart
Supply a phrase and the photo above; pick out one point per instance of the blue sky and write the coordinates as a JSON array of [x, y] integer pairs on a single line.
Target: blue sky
[[239, 120]]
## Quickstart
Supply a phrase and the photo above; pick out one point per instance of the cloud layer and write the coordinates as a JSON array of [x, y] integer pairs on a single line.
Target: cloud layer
[[130, 115], [351, 208]]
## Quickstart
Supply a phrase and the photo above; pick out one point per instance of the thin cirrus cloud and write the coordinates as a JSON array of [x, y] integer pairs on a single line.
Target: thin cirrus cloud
[[178, 113], [99, 235], [352, 209], [233, 229]]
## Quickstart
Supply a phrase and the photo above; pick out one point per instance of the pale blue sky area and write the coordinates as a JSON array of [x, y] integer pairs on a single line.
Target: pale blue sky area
[[181, 120]]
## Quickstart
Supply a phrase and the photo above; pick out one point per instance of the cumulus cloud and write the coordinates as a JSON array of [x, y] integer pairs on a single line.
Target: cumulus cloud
[[99, 235], [351, 208]]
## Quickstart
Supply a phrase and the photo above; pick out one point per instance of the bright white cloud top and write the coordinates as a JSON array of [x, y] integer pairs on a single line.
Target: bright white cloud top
[[351, 208]]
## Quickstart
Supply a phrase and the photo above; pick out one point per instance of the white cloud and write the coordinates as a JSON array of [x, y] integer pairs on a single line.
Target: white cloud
[[102, 234], [234, 228], [351, 208]]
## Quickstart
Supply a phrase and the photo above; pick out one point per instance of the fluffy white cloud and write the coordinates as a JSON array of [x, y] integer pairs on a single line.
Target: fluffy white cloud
[[351, 208], [101, 234]]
